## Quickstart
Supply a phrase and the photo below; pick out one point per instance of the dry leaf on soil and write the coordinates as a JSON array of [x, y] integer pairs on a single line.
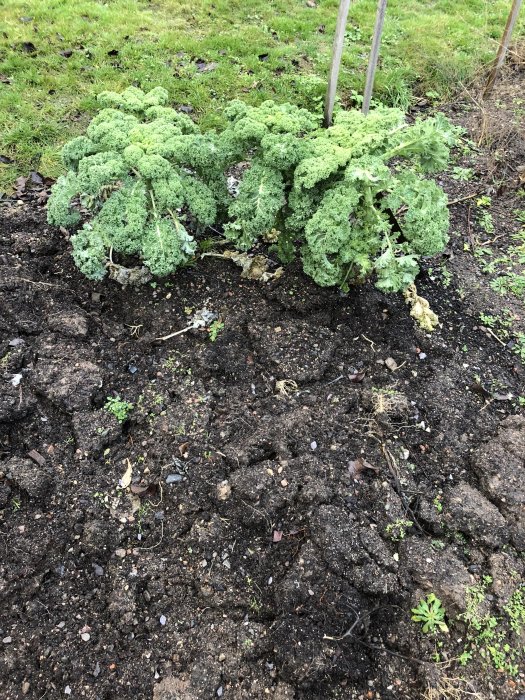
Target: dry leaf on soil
[[125, 480]]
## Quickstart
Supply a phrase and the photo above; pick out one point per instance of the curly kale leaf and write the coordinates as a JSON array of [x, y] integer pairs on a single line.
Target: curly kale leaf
[[100, 170], [277, 119], [89, 252], [167, 114], [134, 99], [199, 200], [59, 210], [395, 272], [159, 137], [75, 150], [153, 167], [426, 143], [169, 191], [420, 208], [339, 244], [365, 135], [123, 217], [318, 168], [166, 246], [142, 169], [261, 196], [282, 151], [110, 130], [301, 206]]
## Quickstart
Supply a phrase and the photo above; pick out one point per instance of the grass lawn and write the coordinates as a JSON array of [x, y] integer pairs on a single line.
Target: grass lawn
[[56, 55]]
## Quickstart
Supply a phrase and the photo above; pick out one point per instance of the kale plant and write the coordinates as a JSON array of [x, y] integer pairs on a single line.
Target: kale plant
[[353, 201]]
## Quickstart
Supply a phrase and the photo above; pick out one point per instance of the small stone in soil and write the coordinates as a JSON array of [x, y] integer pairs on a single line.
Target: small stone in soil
[[173, 478], [7, 640], [224, 491], [162, 620], [85, 637]]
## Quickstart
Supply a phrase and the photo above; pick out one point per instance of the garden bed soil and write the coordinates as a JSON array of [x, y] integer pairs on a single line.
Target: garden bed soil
[[255, 551]]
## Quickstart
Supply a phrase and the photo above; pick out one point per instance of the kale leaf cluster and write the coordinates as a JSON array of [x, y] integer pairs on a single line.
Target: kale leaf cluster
[[353, 201]]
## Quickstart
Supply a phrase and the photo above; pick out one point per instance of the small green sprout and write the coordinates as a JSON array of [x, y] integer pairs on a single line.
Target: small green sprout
[[398, 529], [255, 605], [463, 174], [431, 614], [520, 215], [486, 222], [215, 328], [4, 361], [120, 409]]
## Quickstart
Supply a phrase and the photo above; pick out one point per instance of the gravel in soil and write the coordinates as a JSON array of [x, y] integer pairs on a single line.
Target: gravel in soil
[[237, 534]]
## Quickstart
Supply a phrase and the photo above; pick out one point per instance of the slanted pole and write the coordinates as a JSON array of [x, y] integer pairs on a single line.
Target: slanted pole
[[337, 53], [503, 47], [374, 54]]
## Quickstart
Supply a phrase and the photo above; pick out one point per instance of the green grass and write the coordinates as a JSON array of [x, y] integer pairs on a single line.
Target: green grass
[[429, 45]]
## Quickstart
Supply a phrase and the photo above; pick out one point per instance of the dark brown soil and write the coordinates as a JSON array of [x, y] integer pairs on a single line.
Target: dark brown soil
[[251, 557]]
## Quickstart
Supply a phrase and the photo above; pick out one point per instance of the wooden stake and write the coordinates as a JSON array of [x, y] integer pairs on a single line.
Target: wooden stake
[[337, 53], [504, 45], [374, 54]]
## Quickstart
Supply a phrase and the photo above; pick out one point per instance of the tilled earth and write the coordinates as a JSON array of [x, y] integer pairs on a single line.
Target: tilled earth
[[239, 535]]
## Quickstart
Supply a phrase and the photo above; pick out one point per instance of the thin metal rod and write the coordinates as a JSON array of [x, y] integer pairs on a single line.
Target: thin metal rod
[[503, 47], [337, 53], [374, 55]]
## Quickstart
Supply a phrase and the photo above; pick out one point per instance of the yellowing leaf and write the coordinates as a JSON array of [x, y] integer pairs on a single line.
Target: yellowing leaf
[[420, 309]]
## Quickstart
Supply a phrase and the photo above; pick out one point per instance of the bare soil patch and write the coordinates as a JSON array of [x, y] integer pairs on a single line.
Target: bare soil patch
[[251, 554]]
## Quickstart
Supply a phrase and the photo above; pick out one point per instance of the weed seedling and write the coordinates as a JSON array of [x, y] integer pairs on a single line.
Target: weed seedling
[[437, 504], [519, 347], [215, 328], [431, 614], [486, 222], [495, 639], [120, 409], [142, 514], [515, 609], [398, 529], [255, 605], [4, 361], [463, 174]]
